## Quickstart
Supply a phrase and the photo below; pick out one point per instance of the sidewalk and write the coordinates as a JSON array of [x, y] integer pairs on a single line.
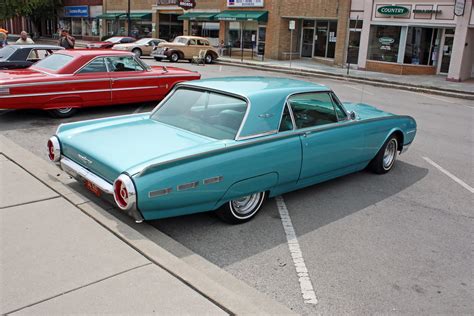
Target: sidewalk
[[436, 84], [62, 254]]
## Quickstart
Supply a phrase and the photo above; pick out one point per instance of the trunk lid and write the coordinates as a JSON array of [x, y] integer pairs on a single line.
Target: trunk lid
[[108, 148], [364, 111]]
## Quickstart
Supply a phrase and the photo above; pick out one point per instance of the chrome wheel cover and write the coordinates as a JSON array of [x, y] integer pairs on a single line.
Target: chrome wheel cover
[[64, 110], [390, 154], [246, 206], [174, 57], [208, 59]]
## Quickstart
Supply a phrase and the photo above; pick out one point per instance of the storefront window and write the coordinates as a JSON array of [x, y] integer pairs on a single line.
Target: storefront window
[[141, 29], [170, 27], [325, 39], [420, 46], [245, 29], [210, 30], [384, 41]]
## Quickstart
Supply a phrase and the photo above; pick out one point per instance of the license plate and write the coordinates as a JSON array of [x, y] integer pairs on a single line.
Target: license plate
[[92, 187]]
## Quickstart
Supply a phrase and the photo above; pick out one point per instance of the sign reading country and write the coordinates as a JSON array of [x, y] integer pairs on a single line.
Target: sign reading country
[[244, 3], [77, 11], [392, 10]]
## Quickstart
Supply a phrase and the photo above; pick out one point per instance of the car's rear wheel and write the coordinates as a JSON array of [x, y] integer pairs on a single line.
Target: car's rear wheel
[[62, 112], [208, 59], [158, 58], [137, 52], [385, 158], [242, 209], [174, 57]]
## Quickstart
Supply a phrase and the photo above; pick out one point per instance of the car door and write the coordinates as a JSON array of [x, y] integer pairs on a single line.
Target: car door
[[330, 141], [192, 49], [94, 81], [131, 82]]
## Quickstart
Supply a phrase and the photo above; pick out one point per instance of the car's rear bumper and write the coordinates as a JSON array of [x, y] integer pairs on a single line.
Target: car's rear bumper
[[81, 174]]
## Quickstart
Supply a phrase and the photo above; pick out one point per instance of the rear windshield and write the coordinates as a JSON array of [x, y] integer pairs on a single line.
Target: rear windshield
[[206, 113], [54, 62]]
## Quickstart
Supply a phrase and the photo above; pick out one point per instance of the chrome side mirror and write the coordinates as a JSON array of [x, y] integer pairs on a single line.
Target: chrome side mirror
[[352, 115]]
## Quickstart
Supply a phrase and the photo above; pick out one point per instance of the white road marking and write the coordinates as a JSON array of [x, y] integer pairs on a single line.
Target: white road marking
[[138, 109], [432, 97], [359, 89], [449, 174], [306, 285]]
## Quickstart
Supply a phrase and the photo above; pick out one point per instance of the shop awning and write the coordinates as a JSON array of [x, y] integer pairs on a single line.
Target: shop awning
[[240, 15], [198, 16], [109, 16], [136, 16]]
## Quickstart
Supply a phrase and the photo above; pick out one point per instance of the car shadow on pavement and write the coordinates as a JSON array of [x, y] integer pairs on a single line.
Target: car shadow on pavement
[[310, 209]]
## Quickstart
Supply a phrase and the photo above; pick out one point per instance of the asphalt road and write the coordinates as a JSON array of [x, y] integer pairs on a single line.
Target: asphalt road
[[396, 243]]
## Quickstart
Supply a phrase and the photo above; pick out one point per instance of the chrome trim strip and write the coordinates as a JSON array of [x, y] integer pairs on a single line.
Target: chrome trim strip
[[277, 136], [22, 85], [213, 180], [412, 131], [80, 173], [259, 135], [160, 192], [187, 186], [75, 92]]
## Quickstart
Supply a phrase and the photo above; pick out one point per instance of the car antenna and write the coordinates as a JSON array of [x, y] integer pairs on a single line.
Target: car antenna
[[165, 69]]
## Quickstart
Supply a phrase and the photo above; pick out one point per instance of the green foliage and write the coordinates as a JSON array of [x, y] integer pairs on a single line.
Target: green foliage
[[31, 8]]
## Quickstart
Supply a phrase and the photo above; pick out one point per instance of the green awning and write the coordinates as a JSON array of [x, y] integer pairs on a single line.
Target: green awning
[[198, 16], [136, 16], [109, 16], [240, 15]]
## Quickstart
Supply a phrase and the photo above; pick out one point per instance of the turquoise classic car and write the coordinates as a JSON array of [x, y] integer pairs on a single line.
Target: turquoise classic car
[[227, 144]]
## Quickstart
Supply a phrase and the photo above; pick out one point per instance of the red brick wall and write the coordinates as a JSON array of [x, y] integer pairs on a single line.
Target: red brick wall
[[400, 69]]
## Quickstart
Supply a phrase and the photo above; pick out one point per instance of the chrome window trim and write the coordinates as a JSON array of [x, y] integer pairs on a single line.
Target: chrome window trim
[[273, 137], [339, 103], [74, 92], [203, 89]]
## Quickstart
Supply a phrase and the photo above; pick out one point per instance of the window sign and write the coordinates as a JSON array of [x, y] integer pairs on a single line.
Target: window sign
[[78, 11], [245, 3], [392, 10], [459, 7]]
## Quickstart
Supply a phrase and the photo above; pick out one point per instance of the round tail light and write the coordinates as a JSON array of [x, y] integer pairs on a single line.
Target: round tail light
[[54, 149], [124, 192]]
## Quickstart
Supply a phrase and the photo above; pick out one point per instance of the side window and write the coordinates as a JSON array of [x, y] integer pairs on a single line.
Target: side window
[[192, 42], [127, 40], [286, 124], [312, 109], [341, 114], [96, 65], [35, 55], [125, 63], [201, 42]]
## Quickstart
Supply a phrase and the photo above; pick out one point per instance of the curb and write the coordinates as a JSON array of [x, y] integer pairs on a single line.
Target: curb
[[373, 82], [230, 294]]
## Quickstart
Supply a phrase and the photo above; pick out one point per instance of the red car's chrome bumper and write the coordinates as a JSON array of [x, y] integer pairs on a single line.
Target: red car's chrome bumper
[[82, 174]]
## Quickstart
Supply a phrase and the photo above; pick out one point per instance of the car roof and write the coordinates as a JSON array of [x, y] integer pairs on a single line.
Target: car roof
[[92, 52], [37, 46], [189, 36], [267, 96]]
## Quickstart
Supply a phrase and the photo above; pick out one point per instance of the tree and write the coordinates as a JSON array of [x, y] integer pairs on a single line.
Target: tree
[[35, 9]]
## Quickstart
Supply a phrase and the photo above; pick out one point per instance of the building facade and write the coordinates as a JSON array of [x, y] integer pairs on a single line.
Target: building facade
[[413, 37], [244, 27], [81, 18]]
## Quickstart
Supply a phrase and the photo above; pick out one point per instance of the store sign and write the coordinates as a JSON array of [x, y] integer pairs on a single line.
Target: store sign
[[78, 11], [459, 6], [245, 3], [386, 40], [187, 4], [166, 2], [392, 10], [426, 11], [292, 25]]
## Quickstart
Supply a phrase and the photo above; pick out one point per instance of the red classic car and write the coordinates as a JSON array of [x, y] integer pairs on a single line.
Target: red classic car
[[110, 42], [71, 79]]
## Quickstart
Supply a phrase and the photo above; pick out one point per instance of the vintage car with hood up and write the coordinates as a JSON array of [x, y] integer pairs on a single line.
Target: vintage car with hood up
[[226, 144], [71, 79]]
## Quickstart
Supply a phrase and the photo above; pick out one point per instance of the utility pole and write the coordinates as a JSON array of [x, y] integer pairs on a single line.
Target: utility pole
[[129, 20]]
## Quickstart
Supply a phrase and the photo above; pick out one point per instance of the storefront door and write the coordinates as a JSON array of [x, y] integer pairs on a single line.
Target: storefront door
[[307, 42], [262, 30], [446, 53]]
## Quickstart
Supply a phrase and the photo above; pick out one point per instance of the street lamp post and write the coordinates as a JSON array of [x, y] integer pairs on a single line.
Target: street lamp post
[[129, 21]]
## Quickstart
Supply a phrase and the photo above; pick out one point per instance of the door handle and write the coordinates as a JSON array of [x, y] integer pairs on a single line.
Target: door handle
[[305, 134]]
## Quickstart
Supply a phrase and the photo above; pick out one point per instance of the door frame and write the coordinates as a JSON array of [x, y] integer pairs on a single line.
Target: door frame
[[312, 40], [440, 54]]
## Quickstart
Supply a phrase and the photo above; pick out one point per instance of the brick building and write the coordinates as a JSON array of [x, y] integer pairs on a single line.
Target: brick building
[[260, 27], [81, 18]]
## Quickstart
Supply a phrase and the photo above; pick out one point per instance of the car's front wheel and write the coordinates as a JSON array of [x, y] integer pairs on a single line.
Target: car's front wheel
[[208, 59], [174, 57], [62, 112], [242, 209], [385, 159]]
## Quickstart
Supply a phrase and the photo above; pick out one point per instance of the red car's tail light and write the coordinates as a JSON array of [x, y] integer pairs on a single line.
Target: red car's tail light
[[124, 192], [54, 149]]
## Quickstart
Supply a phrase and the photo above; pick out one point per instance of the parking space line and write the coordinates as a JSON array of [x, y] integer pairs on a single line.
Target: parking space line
[[359, 89], [449, 174], [309, 296]]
